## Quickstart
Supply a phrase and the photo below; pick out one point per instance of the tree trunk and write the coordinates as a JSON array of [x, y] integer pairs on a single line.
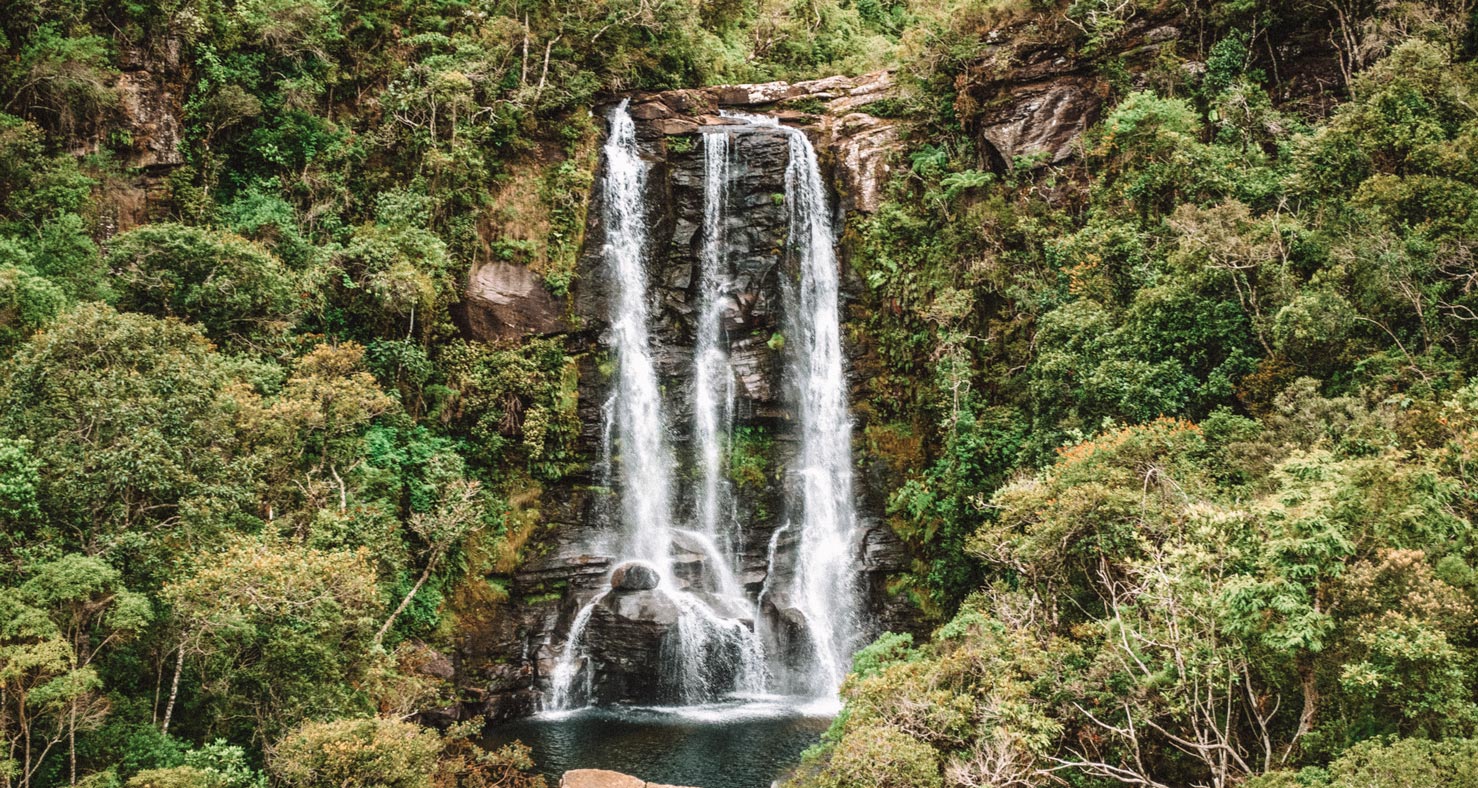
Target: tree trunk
[[404, 603], [174, 687]]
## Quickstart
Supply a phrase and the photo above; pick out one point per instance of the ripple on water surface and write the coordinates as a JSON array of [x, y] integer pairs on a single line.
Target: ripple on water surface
[[741, 744]]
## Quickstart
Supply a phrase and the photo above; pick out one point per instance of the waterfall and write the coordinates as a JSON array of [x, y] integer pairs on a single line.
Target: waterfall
[[713, 380], [714, 649], [562, 682], [826, 565], [771, 553], [639, 427]]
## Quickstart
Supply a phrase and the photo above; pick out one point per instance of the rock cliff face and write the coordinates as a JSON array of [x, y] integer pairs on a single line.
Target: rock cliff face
[[152, 101], [630, 626], [150, 92], [1032, 92]]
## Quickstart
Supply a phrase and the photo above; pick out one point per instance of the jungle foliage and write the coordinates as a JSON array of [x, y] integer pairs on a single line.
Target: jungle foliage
[[1181, 424], [1199, 513]]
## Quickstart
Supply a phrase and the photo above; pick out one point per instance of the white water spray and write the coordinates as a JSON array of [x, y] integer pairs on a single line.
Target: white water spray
[[712, 654], [827, 566], [825, 590], [713, 380], [571, 664], [645, 458]]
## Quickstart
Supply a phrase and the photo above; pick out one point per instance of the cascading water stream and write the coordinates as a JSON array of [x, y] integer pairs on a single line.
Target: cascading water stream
[[646, 517], [824, 590], [566, 670], [713, 380], [714, 653], [826, 564], [634, 412]]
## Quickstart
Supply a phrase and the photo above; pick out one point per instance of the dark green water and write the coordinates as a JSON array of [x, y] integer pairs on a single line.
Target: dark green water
[[725, 745]]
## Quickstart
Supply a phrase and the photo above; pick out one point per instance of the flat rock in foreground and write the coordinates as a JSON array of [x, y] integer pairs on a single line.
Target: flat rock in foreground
[[601, 778]]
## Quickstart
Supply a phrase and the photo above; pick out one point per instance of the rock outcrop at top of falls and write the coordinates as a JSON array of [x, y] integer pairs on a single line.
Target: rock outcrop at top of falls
[[834, 110], [499, 301]]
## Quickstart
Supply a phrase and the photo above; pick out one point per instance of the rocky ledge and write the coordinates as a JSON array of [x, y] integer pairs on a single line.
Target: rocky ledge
[[835, 111]]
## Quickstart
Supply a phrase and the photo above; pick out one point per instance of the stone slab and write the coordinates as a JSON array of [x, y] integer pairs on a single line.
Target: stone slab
[[601, 778]]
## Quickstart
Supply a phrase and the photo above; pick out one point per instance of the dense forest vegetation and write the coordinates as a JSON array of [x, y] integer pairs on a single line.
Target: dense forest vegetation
[[1186, 421]]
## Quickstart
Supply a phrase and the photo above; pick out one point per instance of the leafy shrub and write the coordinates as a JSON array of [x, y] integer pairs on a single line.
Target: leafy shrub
[[240, 293], [357, 753], [883, 757]]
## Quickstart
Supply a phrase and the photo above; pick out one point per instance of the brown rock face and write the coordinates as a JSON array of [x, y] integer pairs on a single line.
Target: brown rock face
[[1043, 119], [628, 636], [151, 110], [861, 142], [506, 300], [1029, 100], [864, 144]]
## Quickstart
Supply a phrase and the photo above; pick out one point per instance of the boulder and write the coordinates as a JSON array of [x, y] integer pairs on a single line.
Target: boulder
[[634, 576], [417, 658], [599, 778], [602, 778], [626, 639], [510, 301], [1042, 119]]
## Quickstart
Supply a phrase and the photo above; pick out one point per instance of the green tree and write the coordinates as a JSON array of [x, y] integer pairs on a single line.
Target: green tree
[[132, 423], [239, 292], [66, 615], [277, 633], [27, 302]]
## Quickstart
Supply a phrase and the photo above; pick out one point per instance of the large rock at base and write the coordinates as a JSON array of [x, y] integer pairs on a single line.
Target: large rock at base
[[506, 300], [626, 639], [601, 778], [634, 576]]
